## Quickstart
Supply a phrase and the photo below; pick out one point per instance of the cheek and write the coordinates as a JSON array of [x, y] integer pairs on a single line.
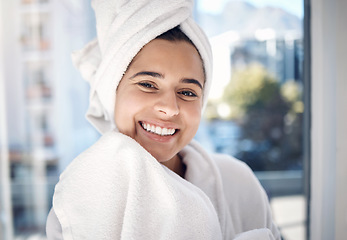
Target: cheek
[[124, 112], [192, 117], [128, 105]]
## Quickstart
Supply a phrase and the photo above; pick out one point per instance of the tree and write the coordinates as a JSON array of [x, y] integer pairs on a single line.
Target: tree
[[268, 116]]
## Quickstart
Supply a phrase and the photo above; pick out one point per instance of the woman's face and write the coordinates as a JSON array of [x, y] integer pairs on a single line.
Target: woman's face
[[159, 99]]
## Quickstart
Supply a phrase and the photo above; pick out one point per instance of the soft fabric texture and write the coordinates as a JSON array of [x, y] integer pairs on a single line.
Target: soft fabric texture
[[117, 190], [263, 233], [123, 28]]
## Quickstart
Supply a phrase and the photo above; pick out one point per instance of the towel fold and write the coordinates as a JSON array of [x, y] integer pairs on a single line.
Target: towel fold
[[256, 234], [117, 190], [123, 28]]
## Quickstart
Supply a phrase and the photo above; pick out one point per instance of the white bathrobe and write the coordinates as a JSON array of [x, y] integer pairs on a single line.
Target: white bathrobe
[[117, 190]]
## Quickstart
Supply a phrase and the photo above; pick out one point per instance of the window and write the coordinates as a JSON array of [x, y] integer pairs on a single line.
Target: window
[[37, 46], [256, 107], [255, 112]]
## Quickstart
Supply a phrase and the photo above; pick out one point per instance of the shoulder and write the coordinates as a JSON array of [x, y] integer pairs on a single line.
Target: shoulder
[[108, 154], [232, 169], [239, 181], [247, 200], [229, 162]]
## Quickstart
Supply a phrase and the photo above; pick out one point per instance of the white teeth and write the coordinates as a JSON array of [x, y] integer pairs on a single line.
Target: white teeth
[[164, 131], [158, 130]]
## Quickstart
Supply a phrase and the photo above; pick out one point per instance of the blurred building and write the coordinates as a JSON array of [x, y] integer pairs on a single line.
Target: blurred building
[[283, 56], [45, 100]]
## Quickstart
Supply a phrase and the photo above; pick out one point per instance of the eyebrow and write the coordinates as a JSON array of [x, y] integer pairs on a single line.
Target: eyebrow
[[147, 73], [193, 81], [159, 75]]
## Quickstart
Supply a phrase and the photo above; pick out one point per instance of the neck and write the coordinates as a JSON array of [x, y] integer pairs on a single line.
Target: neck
[[176, 164]]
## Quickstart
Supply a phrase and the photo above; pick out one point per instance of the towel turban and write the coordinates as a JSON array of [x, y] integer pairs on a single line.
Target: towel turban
[[123, 28]]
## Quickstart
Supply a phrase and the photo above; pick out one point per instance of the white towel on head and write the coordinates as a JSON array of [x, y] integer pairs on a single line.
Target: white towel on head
[[123, 28], [117, 190]]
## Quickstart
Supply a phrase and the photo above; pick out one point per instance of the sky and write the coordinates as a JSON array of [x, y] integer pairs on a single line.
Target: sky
[[293, 6]]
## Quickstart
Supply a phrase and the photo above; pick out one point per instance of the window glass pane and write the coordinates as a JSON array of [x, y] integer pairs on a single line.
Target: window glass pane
[[45, 102], [255, 111]]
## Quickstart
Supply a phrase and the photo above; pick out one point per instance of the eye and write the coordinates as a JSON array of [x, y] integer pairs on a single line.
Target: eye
[[147, 85], [187, 94]]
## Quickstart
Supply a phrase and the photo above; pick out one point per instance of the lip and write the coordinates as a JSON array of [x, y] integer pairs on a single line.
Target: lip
[[156, 137], [161, 124]]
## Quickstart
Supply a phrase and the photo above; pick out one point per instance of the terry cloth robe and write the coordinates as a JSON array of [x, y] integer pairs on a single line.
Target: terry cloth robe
[[117, 190]]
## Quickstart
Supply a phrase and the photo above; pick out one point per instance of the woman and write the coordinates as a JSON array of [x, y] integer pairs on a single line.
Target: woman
[[146, 178]]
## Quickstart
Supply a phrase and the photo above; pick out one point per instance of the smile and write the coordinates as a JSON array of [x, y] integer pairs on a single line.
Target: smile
[[158, 130]]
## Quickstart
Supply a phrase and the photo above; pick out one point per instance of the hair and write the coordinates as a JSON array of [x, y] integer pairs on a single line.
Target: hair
[[175, 34]]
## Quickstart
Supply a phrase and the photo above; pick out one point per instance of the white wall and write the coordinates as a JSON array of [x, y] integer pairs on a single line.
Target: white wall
[[328, 213], [6, 228]]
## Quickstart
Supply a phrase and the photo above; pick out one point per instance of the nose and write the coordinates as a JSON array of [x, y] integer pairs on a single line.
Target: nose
[[167, 104]]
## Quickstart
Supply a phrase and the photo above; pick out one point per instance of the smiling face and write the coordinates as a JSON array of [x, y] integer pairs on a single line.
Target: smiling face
[[159, 99]]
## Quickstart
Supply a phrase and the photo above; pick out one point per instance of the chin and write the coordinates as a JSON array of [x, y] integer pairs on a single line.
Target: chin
[[162, 159]]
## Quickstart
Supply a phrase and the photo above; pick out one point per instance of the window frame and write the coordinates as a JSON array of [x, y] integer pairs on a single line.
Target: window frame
[[328, 165]]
